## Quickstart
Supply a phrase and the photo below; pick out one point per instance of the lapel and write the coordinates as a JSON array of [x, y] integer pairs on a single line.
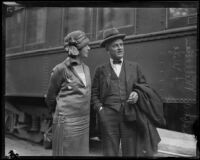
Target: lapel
[[77, 76], [127, 67], [128, 71], [87, 74], [67, 63], [107, 72]]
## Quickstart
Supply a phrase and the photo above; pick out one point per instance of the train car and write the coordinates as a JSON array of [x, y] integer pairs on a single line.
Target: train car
[[162, 40]]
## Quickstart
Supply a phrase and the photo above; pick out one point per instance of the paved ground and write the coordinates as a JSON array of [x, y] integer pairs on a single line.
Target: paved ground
[[24, 148], [27, 148]]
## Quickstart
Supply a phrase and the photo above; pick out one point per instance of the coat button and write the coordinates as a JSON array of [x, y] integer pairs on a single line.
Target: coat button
[[68, 80], [69, 87], [144, 151]]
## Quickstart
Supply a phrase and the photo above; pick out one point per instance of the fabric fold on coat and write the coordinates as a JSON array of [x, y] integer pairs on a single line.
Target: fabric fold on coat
[[147, 113]]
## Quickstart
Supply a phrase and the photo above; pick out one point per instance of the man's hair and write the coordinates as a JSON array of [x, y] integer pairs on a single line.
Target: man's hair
[[108, 43], [107, 46]]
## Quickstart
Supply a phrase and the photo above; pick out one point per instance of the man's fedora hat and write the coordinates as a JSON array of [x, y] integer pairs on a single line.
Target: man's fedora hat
[[111, 34]]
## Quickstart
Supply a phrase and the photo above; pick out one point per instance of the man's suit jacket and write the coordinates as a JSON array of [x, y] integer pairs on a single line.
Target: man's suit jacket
[[147, 113], [101, 81]]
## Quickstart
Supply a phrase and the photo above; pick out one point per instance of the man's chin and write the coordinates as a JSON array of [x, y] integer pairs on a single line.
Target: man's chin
[[120, 56]]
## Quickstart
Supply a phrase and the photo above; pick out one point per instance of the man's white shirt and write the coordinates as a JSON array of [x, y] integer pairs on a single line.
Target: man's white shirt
[[116, 67]]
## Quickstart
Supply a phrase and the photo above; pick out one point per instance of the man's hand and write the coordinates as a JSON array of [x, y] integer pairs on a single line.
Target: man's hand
[[133, 98], [100, 108]]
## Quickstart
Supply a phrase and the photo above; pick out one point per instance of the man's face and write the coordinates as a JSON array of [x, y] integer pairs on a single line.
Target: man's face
[[116, 49]]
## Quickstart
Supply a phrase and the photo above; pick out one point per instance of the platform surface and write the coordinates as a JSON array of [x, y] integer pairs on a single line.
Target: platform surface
[[177, 143]]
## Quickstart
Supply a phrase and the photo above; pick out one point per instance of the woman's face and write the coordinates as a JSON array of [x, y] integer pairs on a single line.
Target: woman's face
[[84, 52]]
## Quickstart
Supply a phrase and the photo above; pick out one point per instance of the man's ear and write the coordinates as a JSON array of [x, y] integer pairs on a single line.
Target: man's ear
[[107, 52], [107, 46]]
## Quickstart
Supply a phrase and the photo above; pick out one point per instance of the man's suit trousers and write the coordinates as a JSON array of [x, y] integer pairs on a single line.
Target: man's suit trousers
[[113, 128]]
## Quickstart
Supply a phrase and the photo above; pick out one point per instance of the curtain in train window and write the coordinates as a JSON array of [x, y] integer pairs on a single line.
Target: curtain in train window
[[14, 29], [180, 17], [36, 25], [121, 18], [78, 19]]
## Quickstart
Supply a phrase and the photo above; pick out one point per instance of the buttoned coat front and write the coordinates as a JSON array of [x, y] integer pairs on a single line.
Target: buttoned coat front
[[101, 81], [69, 99], [66, 93]]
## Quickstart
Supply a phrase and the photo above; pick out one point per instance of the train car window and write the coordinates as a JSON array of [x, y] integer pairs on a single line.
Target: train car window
[[181, 17], [54, 30], [121, 18], [14, 30], [78, 19], [36, 25]]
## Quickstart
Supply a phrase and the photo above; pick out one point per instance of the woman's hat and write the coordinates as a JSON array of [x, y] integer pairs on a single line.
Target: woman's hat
[[76, 38], [74, 41], [111, 34]]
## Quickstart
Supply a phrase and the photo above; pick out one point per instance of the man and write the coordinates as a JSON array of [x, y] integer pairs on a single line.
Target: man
[[120, 97]]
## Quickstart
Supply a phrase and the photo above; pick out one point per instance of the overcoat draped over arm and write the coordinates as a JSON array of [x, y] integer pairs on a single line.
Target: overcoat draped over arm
[[149, 115]]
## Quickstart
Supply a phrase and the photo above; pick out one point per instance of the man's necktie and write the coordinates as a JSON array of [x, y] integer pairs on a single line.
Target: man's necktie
[[117, 61], [74, 63]]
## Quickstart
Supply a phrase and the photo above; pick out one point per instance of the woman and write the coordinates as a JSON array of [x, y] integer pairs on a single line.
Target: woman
[[68, 98]]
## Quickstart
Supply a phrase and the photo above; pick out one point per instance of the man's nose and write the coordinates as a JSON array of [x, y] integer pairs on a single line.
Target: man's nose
[[120, 47]]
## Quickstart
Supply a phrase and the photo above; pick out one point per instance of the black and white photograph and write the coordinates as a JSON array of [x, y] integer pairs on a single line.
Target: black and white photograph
[[100, 79]]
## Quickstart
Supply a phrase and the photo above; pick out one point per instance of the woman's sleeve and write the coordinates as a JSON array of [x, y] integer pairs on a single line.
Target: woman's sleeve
[[53, 88], [96, 90]]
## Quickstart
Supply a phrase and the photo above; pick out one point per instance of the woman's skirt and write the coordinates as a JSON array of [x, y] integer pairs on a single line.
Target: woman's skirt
[[70, 136]]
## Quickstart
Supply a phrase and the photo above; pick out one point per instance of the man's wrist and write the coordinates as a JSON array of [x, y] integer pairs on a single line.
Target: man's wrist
[[98, 106]]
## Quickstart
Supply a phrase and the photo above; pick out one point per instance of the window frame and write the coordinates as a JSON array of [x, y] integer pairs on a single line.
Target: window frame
[[21, 45], [131, 26], [43, 42], [129, 29], [65, 24], [187, 17]]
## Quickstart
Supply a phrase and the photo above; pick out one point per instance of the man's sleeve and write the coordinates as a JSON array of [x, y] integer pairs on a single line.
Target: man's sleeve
[[141, 77], [96, 90], [149, 100], [53, 89]]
